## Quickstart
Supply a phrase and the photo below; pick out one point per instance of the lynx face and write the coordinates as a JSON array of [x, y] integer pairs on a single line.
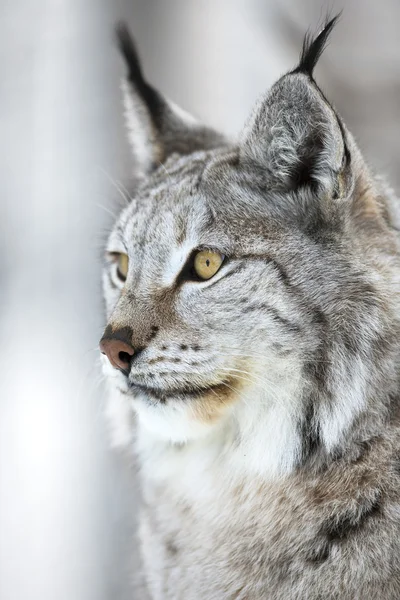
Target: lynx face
[[201, 346], [237, 285]]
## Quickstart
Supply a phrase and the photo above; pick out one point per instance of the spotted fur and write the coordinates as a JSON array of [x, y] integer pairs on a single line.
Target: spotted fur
[[262, 405]]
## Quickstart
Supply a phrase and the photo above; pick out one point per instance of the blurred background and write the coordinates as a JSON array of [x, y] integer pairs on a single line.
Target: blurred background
[[67, 503]]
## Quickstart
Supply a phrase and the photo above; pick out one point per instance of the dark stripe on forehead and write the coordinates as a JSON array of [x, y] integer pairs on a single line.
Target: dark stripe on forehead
[[199, 179], [177, 171], [208, 221], [180, 230], [145, 238]]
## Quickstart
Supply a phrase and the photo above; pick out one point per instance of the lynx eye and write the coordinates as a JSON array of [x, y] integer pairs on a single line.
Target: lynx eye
[[207, 263], [122, 266]]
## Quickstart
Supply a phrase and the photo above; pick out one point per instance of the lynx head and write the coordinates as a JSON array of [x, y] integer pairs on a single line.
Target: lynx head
[[243, 283]]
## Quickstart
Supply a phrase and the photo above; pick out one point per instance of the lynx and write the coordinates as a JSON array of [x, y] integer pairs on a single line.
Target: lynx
[[253, 349]]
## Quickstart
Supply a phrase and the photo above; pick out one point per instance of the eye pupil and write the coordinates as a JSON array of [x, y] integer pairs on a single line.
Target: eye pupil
[[207, 262]]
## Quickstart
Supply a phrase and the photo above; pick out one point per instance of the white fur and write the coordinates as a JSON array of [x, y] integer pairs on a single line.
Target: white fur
[[350, 399], [258, 433], [177, 259], [140, 130], [145, 143]]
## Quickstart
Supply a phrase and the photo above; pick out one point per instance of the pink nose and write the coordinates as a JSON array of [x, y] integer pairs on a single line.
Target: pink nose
[[118, 352]]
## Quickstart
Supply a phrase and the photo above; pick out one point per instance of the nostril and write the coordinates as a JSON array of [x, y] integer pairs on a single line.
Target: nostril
[[124, 357]]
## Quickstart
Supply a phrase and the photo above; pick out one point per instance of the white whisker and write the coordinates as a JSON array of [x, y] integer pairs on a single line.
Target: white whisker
[[165, 169], [107, 210], [121, 189]]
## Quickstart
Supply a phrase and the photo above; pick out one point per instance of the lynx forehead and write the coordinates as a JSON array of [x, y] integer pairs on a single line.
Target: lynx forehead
[[252, 346]]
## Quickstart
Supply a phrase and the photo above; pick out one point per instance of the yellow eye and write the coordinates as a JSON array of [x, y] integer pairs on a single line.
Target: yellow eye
[[207, 263], [122, 266]]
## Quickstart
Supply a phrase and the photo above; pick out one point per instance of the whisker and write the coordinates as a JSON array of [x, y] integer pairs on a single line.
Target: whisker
[[165, 169], [121, 189], [250, 378], [277, 395], [107, 210]]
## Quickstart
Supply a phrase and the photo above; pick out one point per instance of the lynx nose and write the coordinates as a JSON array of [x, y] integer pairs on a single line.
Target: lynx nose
[[117, 347]]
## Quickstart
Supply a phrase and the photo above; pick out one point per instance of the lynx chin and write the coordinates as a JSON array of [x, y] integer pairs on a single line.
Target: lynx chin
[[252, 349]]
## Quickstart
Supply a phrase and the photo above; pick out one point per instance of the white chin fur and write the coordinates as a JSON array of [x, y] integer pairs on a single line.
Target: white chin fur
[[172, 422], [257, 433]]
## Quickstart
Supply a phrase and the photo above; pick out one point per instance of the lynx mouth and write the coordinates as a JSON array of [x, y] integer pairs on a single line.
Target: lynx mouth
[[184, 393]]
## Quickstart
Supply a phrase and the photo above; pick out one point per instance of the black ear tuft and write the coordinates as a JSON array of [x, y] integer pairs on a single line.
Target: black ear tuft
[[128, 50], [313, 48], [148, 94], [157, 128]]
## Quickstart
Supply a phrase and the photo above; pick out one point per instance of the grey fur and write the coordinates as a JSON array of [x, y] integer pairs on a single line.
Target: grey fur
[[283, 482]]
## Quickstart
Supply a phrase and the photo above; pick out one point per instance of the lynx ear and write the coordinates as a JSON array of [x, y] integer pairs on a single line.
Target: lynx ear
[[294, 133], [157, 128]]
